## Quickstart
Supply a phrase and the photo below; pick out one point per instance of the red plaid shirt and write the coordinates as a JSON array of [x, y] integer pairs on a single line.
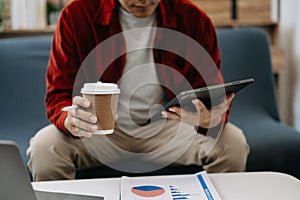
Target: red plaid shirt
[[85, 24]]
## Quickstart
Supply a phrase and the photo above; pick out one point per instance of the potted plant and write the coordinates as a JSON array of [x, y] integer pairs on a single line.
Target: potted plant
[[1, 15], [53, 11]]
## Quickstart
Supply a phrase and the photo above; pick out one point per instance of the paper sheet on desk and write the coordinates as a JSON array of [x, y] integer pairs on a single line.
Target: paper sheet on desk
[[179, 187]]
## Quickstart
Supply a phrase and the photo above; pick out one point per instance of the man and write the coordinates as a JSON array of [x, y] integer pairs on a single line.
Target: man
[[147, 77]]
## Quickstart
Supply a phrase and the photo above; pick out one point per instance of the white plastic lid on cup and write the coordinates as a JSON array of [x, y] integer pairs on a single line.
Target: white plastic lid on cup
[[100, 88]]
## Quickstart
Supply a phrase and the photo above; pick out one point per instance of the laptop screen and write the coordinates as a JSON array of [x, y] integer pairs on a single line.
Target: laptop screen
[[15, 181]]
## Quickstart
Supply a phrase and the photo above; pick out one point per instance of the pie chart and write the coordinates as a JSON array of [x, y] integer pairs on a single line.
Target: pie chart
[[148, 192]]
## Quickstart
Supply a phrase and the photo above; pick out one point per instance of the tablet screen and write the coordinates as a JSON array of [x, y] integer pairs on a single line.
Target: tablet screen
[[210, 96]]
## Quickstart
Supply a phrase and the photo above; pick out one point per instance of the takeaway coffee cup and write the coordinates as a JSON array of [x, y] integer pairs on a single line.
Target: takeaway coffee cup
[[104, 102]]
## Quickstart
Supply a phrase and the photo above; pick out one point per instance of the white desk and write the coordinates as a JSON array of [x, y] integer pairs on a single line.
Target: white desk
[[231, 186]]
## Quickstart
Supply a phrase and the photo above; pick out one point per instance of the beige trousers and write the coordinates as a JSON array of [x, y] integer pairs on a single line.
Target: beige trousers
[[54, 155]]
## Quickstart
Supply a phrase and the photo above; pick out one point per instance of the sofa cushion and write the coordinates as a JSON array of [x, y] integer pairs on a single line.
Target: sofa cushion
[[22, 86], [274, 146]]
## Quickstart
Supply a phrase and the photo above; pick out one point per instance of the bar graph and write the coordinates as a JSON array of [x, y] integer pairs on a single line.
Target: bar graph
[[178, 194]]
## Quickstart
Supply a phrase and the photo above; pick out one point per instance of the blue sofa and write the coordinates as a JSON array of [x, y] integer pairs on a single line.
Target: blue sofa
[[23, 64], [273, 145], [245, 53]]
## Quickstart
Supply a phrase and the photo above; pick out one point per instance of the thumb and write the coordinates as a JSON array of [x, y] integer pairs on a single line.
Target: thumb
[[198, 105]]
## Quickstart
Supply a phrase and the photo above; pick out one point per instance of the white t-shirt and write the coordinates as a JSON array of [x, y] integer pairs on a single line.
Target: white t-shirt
[[140, 87]]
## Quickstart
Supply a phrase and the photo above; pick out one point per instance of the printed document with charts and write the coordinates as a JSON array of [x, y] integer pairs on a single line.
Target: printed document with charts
[[176, 187]]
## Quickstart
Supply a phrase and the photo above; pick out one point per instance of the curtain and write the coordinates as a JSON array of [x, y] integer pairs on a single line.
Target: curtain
[[289, 80]]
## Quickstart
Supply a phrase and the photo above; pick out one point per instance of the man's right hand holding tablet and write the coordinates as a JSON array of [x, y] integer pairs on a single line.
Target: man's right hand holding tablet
[[203, 117]]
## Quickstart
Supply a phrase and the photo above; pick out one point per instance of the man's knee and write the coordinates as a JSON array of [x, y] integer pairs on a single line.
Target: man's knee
[[234, 136], [237, 148], [230, 152], [44, 140], [44, 151]]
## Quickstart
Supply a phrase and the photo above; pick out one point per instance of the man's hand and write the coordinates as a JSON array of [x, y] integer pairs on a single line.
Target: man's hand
[[79, 122], [203, 117]]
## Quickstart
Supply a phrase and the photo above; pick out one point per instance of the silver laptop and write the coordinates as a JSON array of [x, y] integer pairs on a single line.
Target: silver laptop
[[15, 181]]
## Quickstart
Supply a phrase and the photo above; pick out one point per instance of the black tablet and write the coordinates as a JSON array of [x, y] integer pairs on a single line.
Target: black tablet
[[210, 96]]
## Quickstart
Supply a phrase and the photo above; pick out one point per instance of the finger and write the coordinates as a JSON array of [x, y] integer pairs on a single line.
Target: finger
[[200, 107], [183, 115], [86, 116], [84, 125], [170, 115], [230, 96], [217, 113], [175, 110], [75, 131], [215, 121], [225, 104], [83, 133], [80, 133], [219, 109], [81, 101]]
